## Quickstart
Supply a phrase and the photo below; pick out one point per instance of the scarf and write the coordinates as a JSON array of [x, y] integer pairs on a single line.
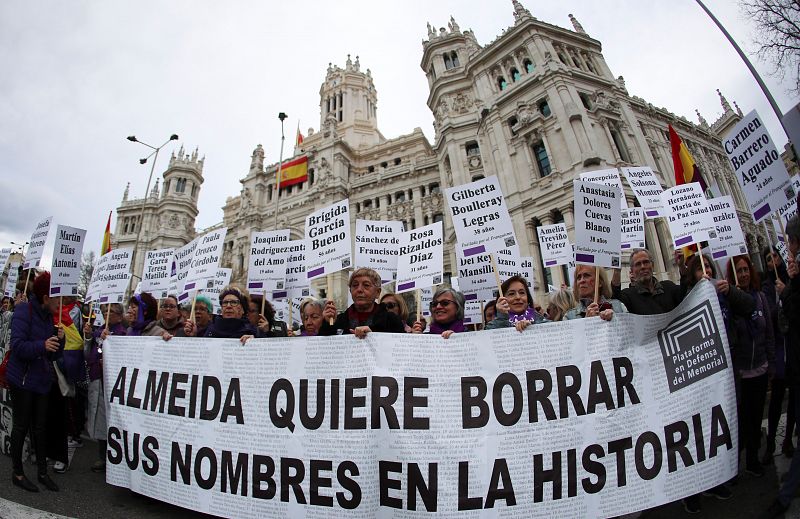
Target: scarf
[[456, 326], [528, 315], [357, 318]]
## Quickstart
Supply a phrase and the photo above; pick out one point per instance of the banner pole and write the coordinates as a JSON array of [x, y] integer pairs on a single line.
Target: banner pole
[[766, 233], [419, 304], [60, 308], [496, 275], [596, 284], [263, 301], [483, 316], [329, 293], [289, 324], [108, 315], [194, 300], [27, 280]]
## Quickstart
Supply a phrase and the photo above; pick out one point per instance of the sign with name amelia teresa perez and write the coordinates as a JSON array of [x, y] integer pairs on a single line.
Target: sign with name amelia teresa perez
[[581, 418]]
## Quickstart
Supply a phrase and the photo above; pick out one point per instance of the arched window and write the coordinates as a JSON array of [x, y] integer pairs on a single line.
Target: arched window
[[472, 149], [542, 160], [544, 108], [180, 186], [448, 63], [515, 75], [529, 66], [454, 58], [400, 196], [501, 82]]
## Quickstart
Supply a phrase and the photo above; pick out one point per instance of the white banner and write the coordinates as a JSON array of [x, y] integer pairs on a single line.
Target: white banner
[[205, 260], [554, 244], [730, 240], [269, 254], [93, 292], [780, 244], [688, 215], [597, 224], [420, 263], [758, 166], [156, 272], [582, 418], [11, 281], [65, 273], [328, 243], [480, 216], [37, 242], [632, 228], [647, 188], [472, 312], [282, 311], [378, 247], [607, 177], [213, 288]]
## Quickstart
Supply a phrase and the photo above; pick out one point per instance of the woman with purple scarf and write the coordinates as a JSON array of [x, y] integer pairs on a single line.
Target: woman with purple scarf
[[141, 316], [515, 308], [96, 423], [447, 314]]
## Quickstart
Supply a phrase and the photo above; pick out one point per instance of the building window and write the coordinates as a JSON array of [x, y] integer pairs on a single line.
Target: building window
[[371, 169], [544, 108], [448, 63], [400, 196], [477, 177], [438, 217], [589, 65], [411, 194], [180, 186], [620, 145], [501, 83], [529, 66], [125, 230], [397, 161], [434, 188], [472, 149], [587, 103], [310, 177], [367, 204], [432, 72], [542, 160], [194, 191], [512, 121], [384, 165], [454, 59], [515, 75]]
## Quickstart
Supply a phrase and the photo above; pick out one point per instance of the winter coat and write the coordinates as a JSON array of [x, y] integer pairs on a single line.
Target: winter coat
[[94, 358], [754, 341], [30, 366], [790, 300], [381, 320], [640, 301]]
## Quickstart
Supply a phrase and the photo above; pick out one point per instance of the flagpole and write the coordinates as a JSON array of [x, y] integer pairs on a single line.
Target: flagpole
[[282, 116]]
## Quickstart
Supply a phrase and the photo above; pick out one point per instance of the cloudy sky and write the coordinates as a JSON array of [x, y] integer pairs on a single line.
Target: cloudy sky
[[78, 77]]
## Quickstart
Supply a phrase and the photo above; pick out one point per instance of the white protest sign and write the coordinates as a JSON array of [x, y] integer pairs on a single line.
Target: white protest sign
[[37, 242], [607, 177], [65, 274], [658, 424], [268, 261], [328, 245], [426, 298], [296, 284], [688, 214], [282, 312], [93, 291], [647, 188], [116, 275], [554, 244], [156, 272], [4, 255], [472, 312], [632, 228], [525, 269], [13, 277], [377, 246], [480, 216], [780, 244], [181, 260], [757, 166], [420, 264], [730, 240], [214, 286], [597, 224], [475, 276], [205, 259]]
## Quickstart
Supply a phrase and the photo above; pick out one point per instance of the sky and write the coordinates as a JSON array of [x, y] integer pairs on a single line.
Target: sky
[[78, 77]]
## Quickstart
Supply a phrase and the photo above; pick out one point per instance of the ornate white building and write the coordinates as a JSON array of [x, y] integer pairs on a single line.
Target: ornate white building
[[536, 107]]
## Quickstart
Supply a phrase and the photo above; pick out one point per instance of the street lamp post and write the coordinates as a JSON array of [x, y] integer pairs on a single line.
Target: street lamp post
[[154, 154], [282, 116]]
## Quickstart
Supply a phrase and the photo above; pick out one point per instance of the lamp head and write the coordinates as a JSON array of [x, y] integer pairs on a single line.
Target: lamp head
[[173, 137], [282, 116], [142, 161], [132, 138]]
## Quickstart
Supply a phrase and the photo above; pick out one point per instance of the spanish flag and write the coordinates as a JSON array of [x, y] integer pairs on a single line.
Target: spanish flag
[[299, 139], [686, 170], [294, 171], [106, 247]]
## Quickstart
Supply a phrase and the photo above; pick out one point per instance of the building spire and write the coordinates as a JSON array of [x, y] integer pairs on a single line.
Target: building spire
[[576, 24], [154, 191], [738, 110], [726, 106], [703, 122], [520, 13], [127, 190]]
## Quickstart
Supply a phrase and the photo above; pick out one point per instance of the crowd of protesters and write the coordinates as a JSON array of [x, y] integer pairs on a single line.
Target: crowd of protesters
[[56, 377]]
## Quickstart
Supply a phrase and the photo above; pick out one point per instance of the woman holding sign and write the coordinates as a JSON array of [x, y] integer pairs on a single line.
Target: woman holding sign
[[232, 324], [311, 315], [584, 290], [447, 313], [516, 307]]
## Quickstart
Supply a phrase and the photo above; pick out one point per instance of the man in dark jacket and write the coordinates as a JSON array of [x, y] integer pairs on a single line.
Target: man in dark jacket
[[646, 295], [364, 315]]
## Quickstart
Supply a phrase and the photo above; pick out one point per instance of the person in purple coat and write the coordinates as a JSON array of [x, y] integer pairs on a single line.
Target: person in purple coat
[[35, 344]]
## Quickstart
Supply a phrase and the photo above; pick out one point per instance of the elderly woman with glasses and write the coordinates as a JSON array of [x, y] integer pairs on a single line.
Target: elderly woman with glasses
[[232, 324], [583, 289], [365, 315], [397, 305], [447, 313], [516, 307]]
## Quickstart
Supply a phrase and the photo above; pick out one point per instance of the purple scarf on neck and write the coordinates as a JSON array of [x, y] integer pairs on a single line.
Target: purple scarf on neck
[[456, 326], [528, 315]]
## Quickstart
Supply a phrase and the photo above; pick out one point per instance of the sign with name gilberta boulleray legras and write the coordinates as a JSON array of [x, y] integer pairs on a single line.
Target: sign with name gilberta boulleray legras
[[581, 418], [378, 247], [65, 273], [420, 264], [37, 242], [156, 273], [328, 245], [269, 254], [480, 216], [597, 224], [758, 166], [688, 215]]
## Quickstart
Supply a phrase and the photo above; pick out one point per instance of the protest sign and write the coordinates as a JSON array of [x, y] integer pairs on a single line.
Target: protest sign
[[115, 275], [328, 245], [205, 259], [11, 281], [182, 259], [214, 286], [780, 243], [472, 312], [269, 254], [597, 224], [688, 214], [296, 284], [378, 247], [632, 228], [581, 418], [475, 276], [480, 216], [425, 300], [757, 166], [292, 319], [554, 244], [647, 188], [4, 255], [730, 240], [156, 272], [420, 263], [607, 177], [65, 272], [93, 291], [37, 242]]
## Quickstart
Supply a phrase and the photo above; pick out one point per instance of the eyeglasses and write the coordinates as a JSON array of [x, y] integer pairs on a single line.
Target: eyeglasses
[[444, 303], [390, 305], [168, 307], [230, 302]]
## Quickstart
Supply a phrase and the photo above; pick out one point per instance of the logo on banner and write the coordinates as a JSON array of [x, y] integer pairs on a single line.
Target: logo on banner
[[692, 347]]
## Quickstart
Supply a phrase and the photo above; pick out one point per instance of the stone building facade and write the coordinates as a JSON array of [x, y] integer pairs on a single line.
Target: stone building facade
[[536, 107]]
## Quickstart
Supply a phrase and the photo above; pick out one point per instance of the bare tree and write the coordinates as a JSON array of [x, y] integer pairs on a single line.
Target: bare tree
[[778, 36], [87, 269]]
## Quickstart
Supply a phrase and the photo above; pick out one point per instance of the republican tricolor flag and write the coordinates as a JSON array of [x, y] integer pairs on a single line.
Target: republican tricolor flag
[[106, 247]]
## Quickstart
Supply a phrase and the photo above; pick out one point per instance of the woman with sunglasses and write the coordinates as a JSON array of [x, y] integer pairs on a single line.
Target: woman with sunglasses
[[397, 305], [516, 307], [447, 313], [232, 324], [583, 289]]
